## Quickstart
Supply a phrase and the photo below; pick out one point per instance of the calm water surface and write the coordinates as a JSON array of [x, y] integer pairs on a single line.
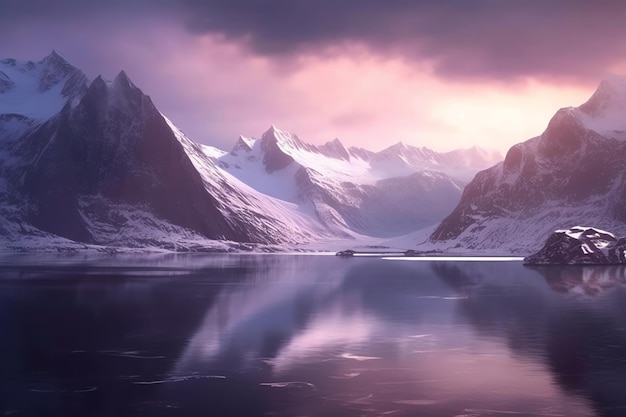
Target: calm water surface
[[287, 335]]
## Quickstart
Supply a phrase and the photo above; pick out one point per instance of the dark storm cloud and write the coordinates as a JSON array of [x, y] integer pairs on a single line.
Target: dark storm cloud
[[463, 39]]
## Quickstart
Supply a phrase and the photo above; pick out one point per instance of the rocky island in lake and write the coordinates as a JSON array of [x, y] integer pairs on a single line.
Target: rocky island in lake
[[580, 245]]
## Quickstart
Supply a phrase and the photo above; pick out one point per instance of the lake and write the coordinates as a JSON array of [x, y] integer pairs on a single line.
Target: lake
[[302, 335]]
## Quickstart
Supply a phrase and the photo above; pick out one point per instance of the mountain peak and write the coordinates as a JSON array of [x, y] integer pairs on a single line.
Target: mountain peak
[[335, 149], [396, 148], [122, 81], [243, 144], [56, 55], [99, 82], [274, 131], [283, 138], [96, 90], [56, 58], [55, 69], [615, 82], [611, 93]]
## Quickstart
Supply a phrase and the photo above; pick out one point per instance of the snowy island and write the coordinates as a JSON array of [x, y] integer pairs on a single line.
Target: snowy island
[[580, 245]]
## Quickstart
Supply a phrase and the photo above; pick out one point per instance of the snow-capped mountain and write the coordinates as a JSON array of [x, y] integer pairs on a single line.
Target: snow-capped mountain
[[388, 193], [31, 92], [574, 173], [97, 163], [109, 169]]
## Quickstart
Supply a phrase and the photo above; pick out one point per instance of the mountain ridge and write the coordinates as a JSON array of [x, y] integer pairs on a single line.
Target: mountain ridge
[[98, 164], [572, 173]]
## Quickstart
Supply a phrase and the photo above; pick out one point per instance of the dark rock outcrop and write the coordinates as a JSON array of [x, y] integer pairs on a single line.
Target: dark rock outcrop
[[580, 245], [117, 145]]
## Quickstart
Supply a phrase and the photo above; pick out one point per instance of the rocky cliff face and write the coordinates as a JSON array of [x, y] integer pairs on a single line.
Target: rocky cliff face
[[116, 145], [572, 174]]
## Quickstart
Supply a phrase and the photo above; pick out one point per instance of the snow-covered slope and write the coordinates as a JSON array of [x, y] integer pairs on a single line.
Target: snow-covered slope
[[396, 191], [38, 90], [574, 173], [32, 92]]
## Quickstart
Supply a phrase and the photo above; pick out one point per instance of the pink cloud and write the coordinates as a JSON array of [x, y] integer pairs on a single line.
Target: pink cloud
[[216, 90]]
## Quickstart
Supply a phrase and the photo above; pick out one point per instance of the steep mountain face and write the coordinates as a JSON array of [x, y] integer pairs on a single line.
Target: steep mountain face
[[115, 145], [388, 193], [112, 167], [572, 174], [32, 92]]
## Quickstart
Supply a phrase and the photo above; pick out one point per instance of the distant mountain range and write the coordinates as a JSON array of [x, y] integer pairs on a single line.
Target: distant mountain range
[[96, 163], [574, 173]]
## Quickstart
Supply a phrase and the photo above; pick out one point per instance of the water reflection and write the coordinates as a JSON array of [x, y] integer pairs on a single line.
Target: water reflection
[[584, 280], [388, 338], [320, 336], [577, 327]]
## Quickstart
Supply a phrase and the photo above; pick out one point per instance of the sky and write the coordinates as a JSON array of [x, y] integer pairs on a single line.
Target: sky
[[444, 74]]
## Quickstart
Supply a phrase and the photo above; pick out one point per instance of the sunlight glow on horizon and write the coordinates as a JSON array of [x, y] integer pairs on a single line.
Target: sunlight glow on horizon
[[215, 90], [364, 101]]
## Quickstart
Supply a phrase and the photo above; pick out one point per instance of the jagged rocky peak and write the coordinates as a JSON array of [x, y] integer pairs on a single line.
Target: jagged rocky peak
[[402, 149], [55, 69], [120, 93], [56, 61], [282, 138], [41, 88], [99, 84], [580, 245], [362, 153], [275, 145], [393, 151], [97, 91], [335, 149], [128, 93], [398, 147], [122, 82], [109, 148], [243, 144], [611, 93]]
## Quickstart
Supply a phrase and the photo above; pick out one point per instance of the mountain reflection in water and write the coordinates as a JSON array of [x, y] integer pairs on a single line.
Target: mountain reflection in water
[[288, 335]]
